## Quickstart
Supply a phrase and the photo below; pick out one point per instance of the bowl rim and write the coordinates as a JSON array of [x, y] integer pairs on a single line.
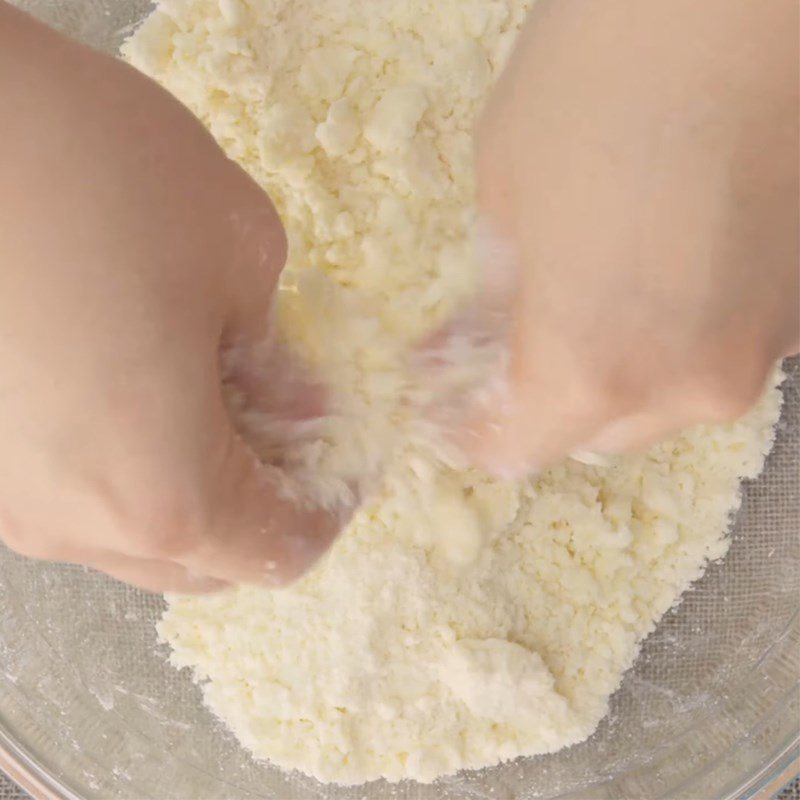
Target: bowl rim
[[41, 784]]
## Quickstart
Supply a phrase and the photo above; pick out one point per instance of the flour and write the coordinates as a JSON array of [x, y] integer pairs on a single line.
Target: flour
[[460, 620]]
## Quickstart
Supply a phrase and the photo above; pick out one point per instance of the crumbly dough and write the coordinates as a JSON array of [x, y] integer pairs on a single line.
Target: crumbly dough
[[460, 620]]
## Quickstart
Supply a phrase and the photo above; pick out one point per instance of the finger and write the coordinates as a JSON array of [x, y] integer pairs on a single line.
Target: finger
[[260, 374], [462, 366], [260, 248], [549, 407], [265, 378], [259, 532], [152, 575], [637, 432], [514, 443]]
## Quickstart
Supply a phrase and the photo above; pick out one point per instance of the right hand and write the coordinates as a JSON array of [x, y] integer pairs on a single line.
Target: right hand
[[638, 161]]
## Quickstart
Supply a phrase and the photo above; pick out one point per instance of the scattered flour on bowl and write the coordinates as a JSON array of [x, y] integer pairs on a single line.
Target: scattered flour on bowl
[[460, 620]]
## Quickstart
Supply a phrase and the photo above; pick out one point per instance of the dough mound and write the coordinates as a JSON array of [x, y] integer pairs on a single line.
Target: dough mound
[[460, 620]]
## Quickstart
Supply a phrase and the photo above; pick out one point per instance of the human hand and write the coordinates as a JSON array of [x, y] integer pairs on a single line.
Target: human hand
[[132, 252], [637, 166]]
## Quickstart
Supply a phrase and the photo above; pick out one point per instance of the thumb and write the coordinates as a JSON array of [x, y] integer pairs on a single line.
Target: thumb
[[463, 368], [258, 531], [259, 527]]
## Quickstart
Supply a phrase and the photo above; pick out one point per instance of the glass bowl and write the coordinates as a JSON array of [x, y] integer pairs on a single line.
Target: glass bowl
[[89, 708]]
